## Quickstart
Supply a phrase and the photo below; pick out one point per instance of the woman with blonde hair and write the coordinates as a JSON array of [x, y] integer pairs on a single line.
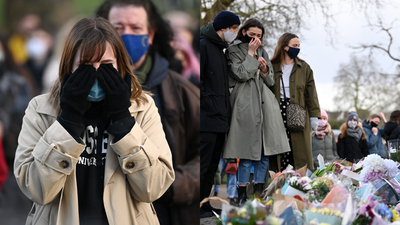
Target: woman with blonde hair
[[93, 151], [352, 141]]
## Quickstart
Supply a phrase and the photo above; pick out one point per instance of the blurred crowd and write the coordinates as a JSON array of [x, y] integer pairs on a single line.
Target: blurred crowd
[[29, 65]]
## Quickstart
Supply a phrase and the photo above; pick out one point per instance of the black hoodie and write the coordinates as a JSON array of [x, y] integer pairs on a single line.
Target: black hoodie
[[214, 87], [391, 130]]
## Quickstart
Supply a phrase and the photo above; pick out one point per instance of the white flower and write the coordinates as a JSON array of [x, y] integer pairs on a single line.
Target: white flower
[[307, 187], [391, 167], [293, 180], [375, 163]]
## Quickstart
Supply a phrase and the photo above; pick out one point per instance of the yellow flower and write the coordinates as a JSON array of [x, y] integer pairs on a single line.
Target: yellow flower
[[338, 213], [313, 209], [270, 202], [243, 212], [395, 215]]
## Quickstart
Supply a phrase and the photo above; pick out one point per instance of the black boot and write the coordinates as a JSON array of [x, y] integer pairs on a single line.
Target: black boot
[[258, 189], [242, 195]]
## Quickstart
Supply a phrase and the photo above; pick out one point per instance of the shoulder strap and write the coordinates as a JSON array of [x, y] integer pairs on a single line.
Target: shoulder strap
[[283, 86]]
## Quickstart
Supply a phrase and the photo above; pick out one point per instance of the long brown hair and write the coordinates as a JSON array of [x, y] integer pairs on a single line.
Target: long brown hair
[[344, 127], [283, 41], [91, 35]]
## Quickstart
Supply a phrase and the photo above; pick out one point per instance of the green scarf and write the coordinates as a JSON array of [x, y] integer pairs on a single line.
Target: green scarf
[[142, 72]]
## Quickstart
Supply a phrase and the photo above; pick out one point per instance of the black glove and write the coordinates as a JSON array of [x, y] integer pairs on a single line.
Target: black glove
[[117, 90], [74, 91]]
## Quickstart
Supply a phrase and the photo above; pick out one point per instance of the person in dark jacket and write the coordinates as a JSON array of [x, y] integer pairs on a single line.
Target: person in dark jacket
[[323, 140], [214, 97], [375, 134], [392, 128], [147, 39], [352, 141]]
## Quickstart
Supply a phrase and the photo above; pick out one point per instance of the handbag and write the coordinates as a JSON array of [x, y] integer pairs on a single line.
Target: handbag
[[231, 166], [295, 114]]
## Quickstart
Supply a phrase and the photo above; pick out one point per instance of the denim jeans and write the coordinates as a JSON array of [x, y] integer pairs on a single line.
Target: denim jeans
[[260, 170], [230, 181]]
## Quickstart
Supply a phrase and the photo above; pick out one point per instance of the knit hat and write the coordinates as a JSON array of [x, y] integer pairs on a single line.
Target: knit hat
[[352, 115], [323, 113], [225, 19]]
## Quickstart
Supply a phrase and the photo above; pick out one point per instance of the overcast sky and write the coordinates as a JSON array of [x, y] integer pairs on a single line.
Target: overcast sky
[[351, 30]]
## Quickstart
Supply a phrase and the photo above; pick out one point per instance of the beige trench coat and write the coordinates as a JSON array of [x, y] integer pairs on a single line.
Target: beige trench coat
[[303, 92], [256, 120], [47, 155]]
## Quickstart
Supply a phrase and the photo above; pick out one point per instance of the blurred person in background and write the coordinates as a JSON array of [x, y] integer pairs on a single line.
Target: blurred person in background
[[231, 181], [182, 24], [27, 24], [32, 46], [392, 128], [352, 141], [190, 63], [38, 46], [323, 140], [147, 38], [375, 134], [17, 87], [93, 151]]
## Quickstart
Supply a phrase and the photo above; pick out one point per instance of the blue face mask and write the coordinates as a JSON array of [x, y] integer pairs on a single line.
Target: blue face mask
[[96, 93], [293, 52], [136, 45]]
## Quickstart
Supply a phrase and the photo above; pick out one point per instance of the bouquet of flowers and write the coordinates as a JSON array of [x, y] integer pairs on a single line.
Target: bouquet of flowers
[[298, 186], [323, 215], [374, 168], [252, 212], [366, 212], [319, 191]]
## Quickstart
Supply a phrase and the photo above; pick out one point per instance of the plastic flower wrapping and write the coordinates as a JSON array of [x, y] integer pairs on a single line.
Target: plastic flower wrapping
[[336, 193]]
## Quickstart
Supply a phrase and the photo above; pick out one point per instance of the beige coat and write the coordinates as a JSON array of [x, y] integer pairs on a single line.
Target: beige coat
[[303, 92], [47, 155], [256, 120]]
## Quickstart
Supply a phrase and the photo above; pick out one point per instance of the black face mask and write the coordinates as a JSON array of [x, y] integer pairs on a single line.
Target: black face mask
[[246, 38], [373, 124]]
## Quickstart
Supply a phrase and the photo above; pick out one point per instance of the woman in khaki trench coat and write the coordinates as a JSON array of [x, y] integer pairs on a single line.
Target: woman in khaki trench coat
[[256, 129], [93, 151], [299, 87]]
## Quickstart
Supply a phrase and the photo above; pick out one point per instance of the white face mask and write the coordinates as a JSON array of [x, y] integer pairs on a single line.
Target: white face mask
[[229, 36], [352, 124], [36, 48]]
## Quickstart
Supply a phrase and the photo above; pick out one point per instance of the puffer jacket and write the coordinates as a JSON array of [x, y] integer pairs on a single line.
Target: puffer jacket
[[138, 167], [326, 147]]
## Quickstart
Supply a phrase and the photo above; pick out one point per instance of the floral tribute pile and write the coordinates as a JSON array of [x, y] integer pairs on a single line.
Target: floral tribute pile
[[337, 193]]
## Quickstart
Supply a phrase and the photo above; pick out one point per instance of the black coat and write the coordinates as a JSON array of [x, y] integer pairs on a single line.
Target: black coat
[[350, 149], [214, 87], [392, 131]]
